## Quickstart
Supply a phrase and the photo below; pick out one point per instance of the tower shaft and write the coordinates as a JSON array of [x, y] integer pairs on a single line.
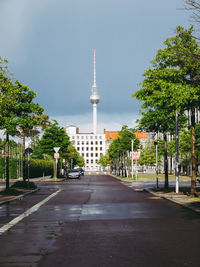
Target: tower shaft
[[94, 118], [94, 98]]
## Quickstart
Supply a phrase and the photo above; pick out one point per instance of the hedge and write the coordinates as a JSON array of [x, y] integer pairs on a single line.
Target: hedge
[[38, 168], [13, 168]]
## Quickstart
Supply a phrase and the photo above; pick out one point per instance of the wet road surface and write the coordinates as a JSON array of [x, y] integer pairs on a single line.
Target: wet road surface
[[98, 221]]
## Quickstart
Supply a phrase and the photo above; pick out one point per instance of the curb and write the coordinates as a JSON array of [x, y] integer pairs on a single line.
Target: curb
[[18, 197], [172, 200]]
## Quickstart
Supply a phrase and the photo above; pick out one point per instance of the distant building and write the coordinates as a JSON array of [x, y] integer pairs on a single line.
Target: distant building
[[142, 136]]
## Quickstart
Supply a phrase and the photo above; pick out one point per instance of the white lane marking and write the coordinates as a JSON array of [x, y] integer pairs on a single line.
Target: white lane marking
[[7, 226]]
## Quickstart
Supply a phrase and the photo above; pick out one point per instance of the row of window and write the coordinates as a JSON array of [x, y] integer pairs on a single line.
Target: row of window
[[91, 148], [97, 155], [89, 143], [87, 137], [91, 161]]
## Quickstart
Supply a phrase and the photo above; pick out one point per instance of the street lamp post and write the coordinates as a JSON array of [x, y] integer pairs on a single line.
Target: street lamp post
[[132, 142], [56, 149], [156, 145], [176, 153]]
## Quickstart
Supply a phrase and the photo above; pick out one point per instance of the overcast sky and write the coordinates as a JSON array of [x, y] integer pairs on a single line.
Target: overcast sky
[[49, 45]]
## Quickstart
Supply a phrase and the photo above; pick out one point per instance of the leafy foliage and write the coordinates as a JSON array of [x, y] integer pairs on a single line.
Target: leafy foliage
[[54, 136]]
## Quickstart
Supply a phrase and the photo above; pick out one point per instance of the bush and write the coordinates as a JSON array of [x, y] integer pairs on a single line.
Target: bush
[[13, 167], [24, 184], [39, 168], [11, 192]]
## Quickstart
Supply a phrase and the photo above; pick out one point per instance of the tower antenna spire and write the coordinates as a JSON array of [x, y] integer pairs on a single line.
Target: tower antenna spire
[[94, 68]]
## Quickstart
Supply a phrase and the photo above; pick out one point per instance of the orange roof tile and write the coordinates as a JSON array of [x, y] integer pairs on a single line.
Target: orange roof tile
[[112, 135]]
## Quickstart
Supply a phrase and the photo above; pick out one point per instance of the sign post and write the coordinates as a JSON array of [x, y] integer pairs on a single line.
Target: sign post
[[136, 156], [28, 151], [56, 156]]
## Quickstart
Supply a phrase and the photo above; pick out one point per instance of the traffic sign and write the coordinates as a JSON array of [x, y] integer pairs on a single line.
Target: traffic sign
[[28, 150], [56, 149], [136, 155], [56, 155]]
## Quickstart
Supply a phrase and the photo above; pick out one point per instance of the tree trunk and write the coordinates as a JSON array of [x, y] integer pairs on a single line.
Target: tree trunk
[[23, 157], [166, 161], [7, 162], [193, 177], [171, 159]]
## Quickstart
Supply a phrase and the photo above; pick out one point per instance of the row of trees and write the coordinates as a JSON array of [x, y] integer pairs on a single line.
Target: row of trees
[[170, 85], [118, 155], [21, 117]]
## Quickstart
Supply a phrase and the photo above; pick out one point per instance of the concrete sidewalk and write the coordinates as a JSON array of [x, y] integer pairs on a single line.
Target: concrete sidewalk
[[180, 198], [7, 199]]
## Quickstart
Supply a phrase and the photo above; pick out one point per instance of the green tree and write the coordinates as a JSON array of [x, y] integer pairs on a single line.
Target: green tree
[[73, 157], [104, 160], [173, 84], [123, 144], [54, 136], [27, 112], [148, 155]]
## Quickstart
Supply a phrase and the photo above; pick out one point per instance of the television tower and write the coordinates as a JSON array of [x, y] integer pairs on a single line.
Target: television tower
[[94, 98]]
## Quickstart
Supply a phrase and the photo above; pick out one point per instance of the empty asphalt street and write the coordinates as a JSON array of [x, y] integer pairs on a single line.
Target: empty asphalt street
[[97, 221]]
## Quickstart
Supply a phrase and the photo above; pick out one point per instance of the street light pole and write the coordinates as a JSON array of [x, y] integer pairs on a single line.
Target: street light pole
[[156, 147], [176, 153], [132, 158]]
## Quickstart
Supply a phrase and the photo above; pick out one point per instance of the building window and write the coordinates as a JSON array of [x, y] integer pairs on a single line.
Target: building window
[[82, 142], [83, 155], [87, 155], [101, 148], [96, 155], [87, 143], [87, 161], [87, 148], [92, 154], [96, 148], [91, 148], [86, 137], [91, 161], [91, 137], [101, 142], [82, 148], [82, 137], [100, 137], [91, 142], [73, 142], [78, 143], [96, 137], [73, 137], [96, 160], [78, 148], [96, 143]]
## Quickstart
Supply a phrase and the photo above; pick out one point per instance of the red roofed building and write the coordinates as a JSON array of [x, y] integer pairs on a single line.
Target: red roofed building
[[142, 136]]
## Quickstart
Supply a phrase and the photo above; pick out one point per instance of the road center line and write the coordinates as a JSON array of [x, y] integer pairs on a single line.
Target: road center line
[[7, 226]]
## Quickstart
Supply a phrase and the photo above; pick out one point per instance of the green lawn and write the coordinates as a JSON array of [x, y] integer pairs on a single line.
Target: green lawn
[[152, 177]]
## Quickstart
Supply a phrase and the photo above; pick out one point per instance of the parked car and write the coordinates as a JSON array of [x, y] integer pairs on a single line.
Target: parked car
[[81, 171], [73, 173]]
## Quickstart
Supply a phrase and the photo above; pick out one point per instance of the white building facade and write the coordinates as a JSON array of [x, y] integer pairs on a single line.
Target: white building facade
[[90, 146]]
